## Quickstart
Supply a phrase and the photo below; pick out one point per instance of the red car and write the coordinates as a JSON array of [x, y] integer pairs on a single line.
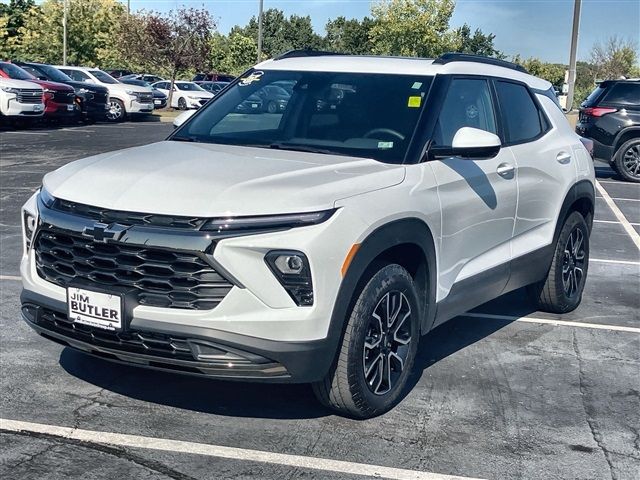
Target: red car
[[59, 99]]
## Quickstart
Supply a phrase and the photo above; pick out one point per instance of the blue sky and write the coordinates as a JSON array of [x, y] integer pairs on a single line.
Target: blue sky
[[538, 28]]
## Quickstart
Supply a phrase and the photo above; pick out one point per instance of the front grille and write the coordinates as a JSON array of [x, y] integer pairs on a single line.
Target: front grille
[[64, 97], [29, 96], [105, 215], [153, 276], [146, 343], [145, 97]]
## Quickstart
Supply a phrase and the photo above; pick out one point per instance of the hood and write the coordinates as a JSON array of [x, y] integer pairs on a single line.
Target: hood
[[205, 180], [59, 87], [125, 86], [87, 86], [9, 82]]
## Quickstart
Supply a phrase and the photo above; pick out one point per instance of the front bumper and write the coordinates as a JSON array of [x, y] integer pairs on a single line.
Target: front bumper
[[139, 107], [13, 108], [60, 110], [184, 349]]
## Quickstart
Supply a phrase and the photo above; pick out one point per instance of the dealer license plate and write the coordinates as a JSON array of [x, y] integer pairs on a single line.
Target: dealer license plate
[[71, 107], [101, 310], [157, 102]]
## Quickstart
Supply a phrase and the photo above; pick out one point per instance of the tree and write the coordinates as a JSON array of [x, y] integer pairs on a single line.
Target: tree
[[233, 54], [349, 36], [12, 18], [281, 34], [552, 72], [476, 44], [91, 29], [615, 58], [411, 27], [176, 42]]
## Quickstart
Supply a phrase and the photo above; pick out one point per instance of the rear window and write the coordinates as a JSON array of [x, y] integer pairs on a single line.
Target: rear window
[[593, 96], [623, 93]]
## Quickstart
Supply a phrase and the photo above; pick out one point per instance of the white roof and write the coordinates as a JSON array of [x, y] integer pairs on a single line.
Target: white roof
[[70, 67], [398, 66]]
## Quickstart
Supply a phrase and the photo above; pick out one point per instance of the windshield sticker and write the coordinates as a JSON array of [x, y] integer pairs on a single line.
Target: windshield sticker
[[416, 85], [385, 145], [249, 79], [414, 101]]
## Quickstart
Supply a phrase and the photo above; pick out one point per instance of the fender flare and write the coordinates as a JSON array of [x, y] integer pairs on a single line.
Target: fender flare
[[411, 231], [583, 189], [616, 142]]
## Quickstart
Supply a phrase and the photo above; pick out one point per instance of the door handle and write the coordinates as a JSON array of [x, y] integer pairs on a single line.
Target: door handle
[[563, 158], [505, 170]]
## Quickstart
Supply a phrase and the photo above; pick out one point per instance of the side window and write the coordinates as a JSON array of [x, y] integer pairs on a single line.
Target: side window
[[623, 93], [467, 104], [523, 121]]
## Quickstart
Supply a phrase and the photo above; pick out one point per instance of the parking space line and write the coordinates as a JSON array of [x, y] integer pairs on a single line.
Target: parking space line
[[230, 453], [619, 215], [560, 323], [616, 222], [13, 278], [613, 182], [619, 262]]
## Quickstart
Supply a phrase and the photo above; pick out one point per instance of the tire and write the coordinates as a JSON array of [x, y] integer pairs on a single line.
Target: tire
[[272, 107], [561, 290], [627, 160], [182, 104], [116, 112], [348, 388]]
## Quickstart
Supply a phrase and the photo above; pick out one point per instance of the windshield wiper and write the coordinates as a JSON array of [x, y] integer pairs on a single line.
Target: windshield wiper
[[300, 148]]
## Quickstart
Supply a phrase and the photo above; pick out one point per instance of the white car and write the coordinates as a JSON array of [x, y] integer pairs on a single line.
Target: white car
[[124, 100], [185, 94], [319, 243], [19, 98]]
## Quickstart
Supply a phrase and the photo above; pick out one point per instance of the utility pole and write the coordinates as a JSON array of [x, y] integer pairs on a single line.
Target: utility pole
[[128, 7], [64, 32], [572, 53], [260, 32]]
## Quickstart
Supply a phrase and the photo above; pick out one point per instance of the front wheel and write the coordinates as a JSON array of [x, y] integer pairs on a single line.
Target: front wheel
[[182, 103], [116, 112], [378, 349], [561, 291], [627, 160]]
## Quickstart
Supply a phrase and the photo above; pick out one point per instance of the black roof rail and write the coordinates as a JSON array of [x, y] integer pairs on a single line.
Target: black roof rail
[[306, 53], [466, 57]]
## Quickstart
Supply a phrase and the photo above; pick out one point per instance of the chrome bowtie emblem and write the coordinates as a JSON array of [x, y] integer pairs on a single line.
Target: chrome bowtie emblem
[[101, 232]]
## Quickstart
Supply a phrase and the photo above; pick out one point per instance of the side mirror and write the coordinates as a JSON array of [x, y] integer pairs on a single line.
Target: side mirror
[[183, 117], [471, 143]]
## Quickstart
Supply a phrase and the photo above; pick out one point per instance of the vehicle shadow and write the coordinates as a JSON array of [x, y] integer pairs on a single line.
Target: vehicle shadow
[[274, 401]]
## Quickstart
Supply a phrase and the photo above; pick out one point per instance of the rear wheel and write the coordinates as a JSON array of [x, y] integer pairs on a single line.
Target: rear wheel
[[116, 112], [561, 291], [627, 160], [378, 349]]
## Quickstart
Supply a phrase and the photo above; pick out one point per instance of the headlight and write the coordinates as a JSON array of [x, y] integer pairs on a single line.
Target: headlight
[[265, 223], [10, 89], [29, 223], [48, 90], [46, 198], [82, 90], [292, 270]]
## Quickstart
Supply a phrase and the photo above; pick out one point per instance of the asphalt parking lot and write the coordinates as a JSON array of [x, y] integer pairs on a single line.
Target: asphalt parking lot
[[504, 393]]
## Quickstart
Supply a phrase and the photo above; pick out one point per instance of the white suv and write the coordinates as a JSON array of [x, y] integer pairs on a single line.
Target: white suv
[[124, 99], [19, 98], [318, 243]]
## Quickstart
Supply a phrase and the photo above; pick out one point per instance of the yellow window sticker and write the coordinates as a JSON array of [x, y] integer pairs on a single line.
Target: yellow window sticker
[[414, 101]]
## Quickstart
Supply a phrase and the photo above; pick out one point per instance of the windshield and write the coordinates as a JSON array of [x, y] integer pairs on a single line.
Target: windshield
[[103, 76], [15, 72], [52, 73], [356, 114], [189, 87]]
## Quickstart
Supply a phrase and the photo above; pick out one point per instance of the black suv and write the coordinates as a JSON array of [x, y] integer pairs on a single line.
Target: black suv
[[610, 116], [92, 100]]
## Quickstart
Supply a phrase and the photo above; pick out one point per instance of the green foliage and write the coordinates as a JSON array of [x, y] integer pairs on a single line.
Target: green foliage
[[349, 36], [234, 53], [12, 18], [477, 44], [552, 72], [615, 58], [415, 28], [91, 28]]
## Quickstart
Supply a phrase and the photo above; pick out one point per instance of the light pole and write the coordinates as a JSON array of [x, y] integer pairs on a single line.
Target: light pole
[[260, 31], [64, 32], [572, 54]]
